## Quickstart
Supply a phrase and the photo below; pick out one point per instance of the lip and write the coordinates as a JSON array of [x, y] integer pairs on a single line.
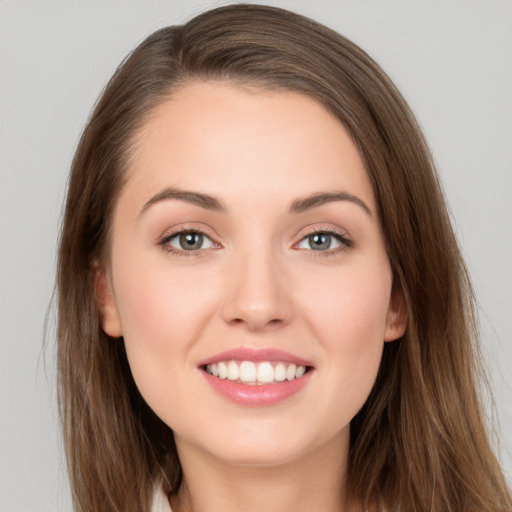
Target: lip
[[257, 355], [256, 395]]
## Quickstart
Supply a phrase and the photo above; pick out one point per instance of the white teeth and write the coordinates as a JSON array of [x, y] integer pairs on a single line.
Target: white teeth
[[233, 371], [255, 373], [247, 371], [223, 370], [265, 372], [301, 370], [291, 371], [280, 372]]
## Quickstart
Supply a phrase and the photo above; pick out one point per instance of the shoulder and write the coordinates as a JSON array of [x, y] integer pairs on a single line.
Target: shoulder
[[160, 501]]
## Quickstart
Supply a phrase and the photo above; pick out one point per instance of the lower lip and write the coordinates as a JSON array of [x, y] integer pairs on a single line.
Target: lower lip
[[257, 395]]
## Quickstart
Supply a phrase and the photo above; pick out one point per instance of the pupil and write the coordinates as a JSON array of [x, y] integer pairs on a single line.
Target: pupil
[[320, 241], [191, 241]]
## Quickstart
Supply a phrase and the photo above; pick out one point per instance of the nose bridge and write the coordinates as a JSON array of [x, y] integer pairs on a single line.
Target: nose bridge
[[256, 292]]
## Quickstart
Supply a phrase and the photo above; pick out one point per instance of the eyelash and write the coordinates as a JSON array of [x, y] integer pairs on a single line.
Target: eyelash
[[345, 243], [164, 242]]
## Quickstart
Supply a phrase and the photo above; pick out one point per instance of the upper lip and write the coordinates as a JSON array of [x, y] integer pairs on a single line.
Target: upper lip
[[256, 355]]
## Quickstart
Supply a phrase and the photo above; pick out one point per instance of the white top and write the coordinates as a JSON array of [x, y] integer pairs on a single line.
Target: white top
[[160, 502]]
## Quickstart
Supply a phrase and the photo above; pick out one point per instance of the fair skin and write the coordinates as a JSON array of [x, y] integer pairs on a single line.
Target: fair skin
[[267, 266]]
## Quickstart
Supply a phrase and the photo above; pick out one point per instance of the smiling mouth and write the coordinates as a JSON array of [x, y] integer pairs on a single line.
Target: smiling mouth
[[256, 374]]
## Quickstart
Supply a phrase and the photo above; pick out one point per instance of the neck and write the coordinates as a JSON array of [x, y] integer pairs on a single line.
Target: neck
[[315, 481]]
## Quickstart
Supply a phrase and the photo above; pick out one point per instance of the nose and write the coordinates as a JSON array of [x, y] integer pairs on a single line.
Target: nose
[[258, 294]]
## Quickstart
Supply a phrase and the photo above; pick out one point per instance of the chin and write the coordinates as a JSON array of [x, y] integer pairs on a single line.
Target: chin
[[266, 443], [267, 455]]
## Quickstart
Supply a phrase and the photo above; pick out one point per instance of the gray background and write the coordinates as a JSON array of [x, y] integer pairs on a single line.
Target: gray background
[[451, 59]]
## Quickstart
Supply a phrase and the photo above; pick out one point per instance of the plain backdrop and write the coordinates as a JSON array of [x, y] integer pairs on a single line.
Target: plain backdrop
[[452, 60]]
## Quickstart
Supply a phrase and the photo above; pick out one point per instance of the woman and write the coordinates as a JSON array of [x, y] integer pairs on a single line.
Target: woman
[[262, 305]]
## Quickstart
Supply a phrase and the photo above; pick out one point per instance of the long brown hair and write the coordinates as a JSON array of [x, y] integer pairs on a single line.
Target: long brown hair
[[419, 443]]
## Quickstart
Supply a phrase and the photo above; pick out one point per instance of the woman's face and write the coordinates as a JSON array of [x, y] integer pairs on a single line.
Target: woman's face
[[246, 243]]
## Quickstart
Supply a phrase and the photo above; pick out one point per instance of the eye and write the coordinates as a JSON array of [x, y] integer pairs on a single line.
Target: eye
[[188, 241], [323, 241]]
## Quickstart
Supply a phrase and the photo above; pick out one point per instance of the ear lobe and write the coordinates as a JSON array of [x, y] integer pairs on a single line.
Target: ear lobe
[[396, 321], [110, 319]]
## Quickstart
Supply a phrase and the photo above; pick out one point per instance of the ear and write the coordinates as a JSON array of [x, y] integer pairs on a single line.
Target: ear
[[396, 321], [110, 319]]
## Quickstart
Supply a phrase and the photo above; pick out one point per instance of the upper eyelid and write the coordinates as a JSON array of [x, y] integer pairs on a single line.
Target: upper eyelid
[[311, 230], [308, 231], [343, 237], [164, 241], [186, 228]]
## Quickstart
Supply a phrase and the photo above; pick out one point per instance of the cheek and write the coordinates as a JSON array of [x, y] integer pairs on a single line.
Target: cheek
[[157, 302], [162, 315], [352, 304], [348, 315]]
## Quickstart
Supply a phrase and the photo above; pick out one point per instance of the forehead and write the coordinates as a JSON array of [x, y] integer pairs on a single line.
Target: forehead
[[227, 140]]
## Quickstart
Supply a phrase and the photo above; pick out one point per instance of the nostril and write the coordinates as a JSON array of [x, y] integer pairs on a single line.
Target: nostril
[[260, 325], [256, 323]]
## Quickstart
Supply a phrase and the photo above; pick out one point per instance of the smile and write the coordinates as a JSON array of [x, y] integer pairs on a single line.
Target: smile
[[250, 373], [256, 377]]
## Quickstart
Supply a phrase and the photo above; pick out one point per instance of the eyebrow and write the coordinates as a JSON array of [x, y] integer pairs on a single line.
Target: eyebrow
[[199, 199], [321, 198], [212, 203]]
